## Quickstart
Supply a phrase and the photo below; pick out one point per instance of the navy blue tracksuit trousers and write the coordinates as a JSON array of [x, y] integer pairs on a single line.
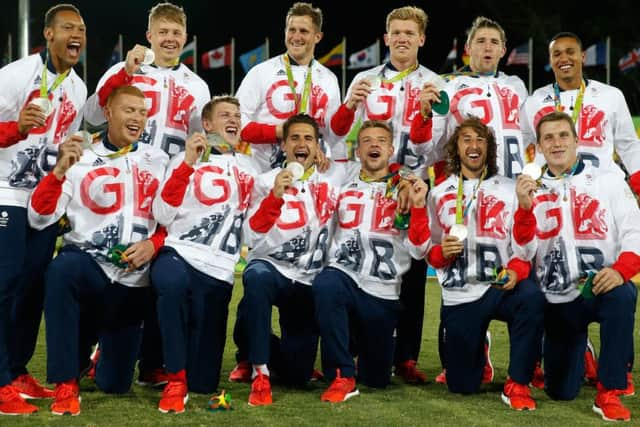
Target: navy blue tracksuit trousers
[[82, 304], [341, 307], [265, 287], [193, 308], [565, 339], [465, 327]]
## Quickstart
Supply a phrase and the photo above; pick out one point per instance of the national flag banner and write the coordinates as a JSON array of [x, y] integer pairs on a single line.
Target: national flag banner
[[334, 57], [367, 57], [216, 58], [629, 61], [187, 56], [596, 54], [519, 55], [253, 57]]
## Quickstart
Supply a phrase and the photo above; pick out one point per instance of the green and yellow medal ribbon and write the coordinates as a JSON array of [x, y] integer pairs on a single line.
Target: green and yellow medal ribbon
[[577, 106], [44, 90], [460, 212], [401, 75], [301, 107]]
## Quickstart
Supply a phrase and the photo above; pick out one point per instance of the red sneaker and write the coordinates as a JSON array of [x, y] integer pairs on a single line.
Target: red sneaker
[[175, 394], [518, 396], [260, 391], [67, 399], [340, 389], [30, 388], [441, 378], [609, 407], [410, 373], [12, 404], [152, 378], [91, 373], [487, 371], [241, 373], [317, 375], [590, 364], [537, 380], [630, 390]]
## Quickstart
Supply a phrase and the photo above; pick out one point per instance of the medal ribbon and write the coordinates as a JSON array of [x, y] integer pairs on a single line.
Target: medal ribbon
[[401, 75], [577, 107], [460, 213], [391, 186], [121, 152], [301, 107], [44, 92]]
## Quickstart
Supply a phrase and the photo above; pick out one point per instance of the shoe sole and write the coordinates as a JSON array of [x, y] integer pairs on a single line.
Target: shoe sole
[[599, 411], [171, 411], [30, 397], [347, 396], [507, 402], [67, 412], [17, 413]]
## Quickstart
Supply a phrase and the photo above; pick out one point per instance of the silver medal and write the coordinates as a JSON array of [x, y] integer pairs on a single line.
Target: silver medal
[[44, 104], [459, 231], [296, 169], [532, 170]]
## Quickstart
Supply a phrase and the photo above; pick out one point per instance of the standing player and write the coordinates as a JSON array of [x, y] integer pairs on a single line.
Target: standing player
[[602, 121], [40, 102], [471, 215], [203, 204], [97, 286], [367, 256], [175, 97], [283, 86], [400, 92], [581, 222], [290, 226], [289, 84], [480, 90]]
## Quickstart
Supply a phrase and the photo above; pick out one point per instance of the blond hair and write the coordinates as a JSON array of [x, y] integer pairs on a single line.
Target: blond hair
[[169, 12], [409, 13]]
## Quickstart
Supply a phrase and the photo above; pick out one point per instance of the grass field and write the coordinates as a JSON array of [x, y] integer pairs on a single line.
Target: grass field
[[399, 404]]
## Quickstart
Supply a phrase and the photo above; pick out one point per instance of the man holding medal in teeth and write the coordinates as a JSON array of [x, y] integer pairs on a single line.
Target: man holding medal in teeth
[[402, 93], [40, 101], [577, 220], [482, 270], [203, 204], [98, 285]]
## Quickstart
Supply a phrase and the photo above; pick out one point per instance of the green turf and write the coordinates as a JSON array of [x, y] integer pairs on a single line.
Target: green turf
[[400, 404]]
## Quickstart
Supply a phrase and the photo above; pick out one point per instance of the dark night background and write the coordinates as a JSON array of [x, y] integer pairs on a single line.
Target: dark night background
[[361, 22]]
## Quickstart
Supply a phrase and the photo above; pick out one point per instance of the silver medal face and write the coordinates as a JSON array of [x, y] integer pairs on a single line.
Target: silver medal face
[[532, 170], [87, 138], [296, 169], [459, 231], [149, 57], [405, 172], [375, 82], [45, 105]]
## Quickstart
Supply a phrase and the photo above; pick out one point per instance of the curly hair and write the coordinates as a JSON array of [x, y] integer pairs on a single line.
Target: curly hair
[[453, 158]]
